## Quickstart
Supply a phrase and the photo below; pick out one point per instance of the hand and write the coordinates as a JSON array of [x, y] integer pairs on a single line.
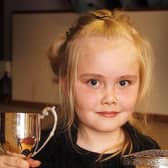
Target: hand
[[33, 163], [12, 160]]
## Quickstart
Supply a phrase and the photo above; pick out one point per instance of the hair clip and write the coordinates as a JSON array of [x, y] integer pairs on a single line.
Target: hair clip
[[102, 17]]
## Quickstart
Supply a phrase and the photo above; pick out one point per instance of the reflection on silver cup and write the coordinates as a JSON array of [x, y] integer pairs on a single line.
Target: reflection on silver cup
[[154, 158], [20, 131]]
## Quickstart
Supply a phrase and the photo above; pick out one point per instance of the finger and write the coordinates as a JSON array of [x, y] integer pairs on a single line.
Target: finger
[[15, 162], [15, 154], [33, 163]]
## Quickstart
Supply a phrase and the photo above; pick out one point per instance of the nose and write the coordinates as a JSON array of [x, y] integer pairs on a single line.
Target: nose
[[109, 96]]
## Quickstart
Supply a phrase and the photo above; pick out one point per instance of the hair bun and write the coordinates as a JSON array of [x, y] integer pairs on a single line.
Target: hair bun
[[117, 15]]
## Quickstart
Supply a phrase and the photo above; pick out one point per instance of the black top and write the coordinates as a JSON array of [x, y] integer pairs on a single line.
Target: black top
[[59, 152]]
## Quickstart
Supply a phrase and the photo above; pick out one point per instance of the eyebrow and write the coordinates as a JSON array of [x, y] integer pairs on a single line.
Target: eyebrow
[[129, 77], [86, 75], [90, 75]]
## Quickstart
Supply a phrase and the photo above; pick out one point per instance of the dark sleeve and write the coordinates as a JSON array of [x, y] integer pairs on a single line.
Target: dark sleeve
[[140, 141], [48, 155], [147, 143]]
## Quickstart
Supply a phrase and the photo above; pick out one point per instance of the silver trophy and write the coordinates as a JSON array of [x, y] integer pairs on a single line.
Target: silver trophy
[[20, 131]]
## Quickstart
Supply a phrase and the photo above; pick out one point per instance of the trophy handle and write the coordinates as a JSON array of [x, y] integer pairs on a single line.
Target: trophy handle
[[51, 134]]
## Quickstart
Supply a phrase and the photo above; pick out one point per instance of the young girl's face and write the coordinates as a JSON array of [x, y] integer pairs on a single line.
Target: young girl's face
[[107, 83]]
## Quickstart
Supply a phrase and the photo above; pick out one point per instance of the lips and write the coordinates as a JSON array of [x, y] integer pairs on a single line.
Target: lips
[[109, 114]]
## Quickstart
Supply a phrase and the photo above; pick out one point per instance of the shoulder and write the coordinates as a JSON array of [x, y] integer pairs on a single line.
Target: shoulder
[[140, 141]]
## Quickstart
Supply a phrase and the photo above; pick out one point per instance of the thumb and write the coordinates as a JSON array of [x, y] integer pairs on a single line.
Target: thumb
[[34, 163]]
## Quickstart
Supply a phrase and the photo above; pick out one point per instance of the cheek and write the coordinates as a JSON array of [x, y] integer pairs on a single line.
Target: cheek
[[84, 97], [128, 100]]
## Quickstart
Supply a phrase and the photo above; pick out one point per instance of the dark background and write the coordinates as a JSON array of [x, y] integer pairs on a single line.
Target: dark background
[[1, 30]]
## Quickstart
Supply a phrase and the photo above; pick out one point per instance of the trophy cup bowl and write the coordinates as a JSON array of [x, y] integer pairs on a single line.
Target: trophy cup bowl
[[20, 131]]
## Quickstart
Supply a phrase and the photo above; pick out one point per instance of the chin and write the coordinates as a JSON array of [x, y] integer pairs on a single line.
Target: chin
[[108, 129]]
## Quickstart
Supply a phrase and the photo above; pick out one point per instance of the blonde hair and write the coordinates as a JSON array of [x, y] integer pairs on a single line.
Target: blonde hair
[[103, 23]]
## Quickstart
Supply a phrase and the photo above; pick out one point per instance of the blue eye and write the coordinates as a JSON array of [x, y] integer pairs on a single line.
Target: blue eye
[[124, 82]]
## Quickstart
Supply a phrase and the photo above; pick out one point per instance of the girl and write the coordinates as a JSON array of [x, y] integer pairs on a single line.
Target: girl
[[104, 70]]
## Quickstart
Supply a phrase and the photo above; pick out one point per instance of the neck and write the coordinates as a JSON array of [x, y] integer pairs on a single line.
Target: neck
[[100, 141]]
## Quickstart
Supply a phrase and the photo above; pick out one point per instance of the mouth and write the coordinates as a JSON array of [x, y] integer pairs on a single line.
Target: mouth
[[108, 114]]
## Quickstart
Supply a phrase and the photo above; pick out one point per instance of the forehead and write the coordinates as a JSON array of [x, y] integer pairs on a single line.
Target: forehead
[[113, 41], [107, 55], [93, 46]]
